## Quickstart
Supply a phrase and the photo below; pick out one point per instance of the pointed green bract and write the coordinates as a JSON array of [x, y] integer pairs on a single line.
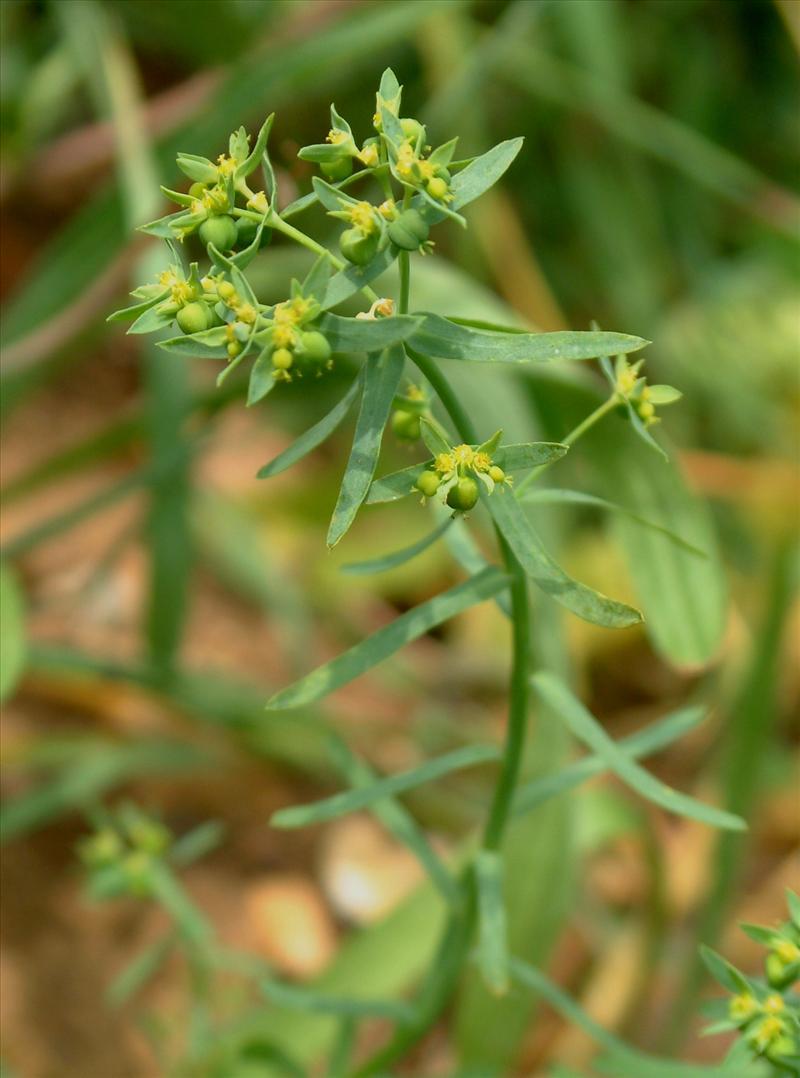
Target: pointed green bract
[[382, 376], [391, 638], [546, 574], [353, 800], [586, 728], [347, 282], [366, 334], [314, 436], [208, 344]]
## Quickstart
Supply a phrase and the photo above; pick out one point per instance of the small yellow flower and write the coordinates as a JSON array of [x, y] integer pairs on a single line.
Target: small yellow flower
[[182, 293], [787, 951], [482, 462], [406, 160], [258, 202], [445, 463], [227, 165], [283, 336], [742, 1007], [167, 278], [464, 456], [246, 313], [767, 1030], [425, 170], [388, 209], [773, 1004], [362, 214], [369, 155], [626, 382], [336, 137]]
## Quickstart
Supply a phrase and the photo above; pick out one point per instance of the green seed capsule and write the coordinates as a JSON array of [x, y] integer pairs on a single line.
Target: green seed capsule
[[779, 974], [464, 495], [193, 318], [412, 129], [282, 359], [406, 426], [496, 474], [409, 231], [428, 484], [234, 348], [219, 230], [315, 346], [246, 230], [358, 248], [197, 190], [337, 170]]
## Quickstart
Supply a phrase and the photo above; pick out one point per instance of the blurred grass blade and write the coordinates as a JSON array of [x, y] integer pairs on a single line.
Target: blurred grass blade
[[556, 496], [386, 641], [138, 972], [492, 956], [197, 843], [582, 600], [397, 820], [400, 557], [353, 800], [168, 891], [441, 338], [307, 999], [382, 376], [586, 728], [651, 739], [13, 644], [314, 436]]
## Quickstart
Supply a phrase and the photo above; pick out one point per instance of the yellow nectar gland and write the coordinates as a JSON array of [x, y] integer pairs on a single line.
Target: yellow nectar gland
[[227, 165], [464, 456], [363, 217], [258, 202], [425, 170], [773, 1004], [369, 155], [482, 462], [787, 951], [406, 160], [283, 336], [246, 312], [445, 463], [742, 1007], [182, 292], [336, 137]]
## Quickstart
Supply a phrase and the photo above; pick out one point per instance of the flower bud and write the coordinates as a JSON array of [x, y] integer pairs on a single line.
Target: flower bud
[[406, 426], [464, 495], [496, 474], [219, 230], [437, 187], [428, 483], [282, 359]]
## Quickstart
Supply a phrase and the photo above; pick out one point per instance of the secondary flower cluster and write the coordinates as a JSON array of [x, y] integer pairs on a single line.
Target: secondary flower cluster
[[632, 389], [457, 471], [119, 855]]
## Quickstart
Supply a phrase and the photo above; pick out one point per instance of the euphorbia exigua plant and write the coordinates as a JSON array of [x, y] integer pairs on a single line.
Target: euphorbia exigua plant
[[391, 191]]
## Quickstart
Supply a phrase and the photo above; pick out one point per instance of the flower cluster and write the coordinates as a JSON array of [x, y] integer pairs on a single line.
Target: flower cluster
[[121, 853], [457, 470], [632, 390], [766, 1012]]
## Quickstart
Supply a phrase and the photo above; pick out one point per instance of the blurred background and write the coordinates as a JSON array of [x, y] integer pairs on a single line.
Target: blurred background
[[154, 592]]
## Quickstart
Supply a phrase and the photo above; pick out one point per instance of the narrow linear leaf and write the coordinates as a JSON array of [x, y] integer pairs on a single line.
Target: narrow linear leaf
[[367, 334], [557, 496], [397, 820], [434, 439], [582, 600], [643, 743], [262, 378], [305, 999], [169, 892], [126, 313], [492, 937], [586, 728], [138, 972], [347, 282], [353, 800], [400, 557], [723, 972], [386, 641], [151, 320], [314, 436], [442, 339], [483, 172], [382, 376]]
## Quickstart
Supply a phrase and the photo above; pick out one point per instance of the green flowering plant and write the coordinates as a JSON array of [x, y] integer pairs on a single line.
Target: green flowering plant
[[765, 1011], [406, 189]]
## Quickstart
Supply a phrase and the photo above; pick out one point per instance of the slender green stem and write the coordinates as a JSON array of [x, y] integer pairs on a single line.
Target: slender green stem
[[572, 437], [405, 280]]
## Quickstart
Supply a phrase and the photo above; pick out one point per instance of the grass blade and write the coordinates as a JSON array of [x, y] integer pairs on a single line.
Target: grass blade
[[386, 641], [586, 728], [353, 800], [492, 954], [13, 646]]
